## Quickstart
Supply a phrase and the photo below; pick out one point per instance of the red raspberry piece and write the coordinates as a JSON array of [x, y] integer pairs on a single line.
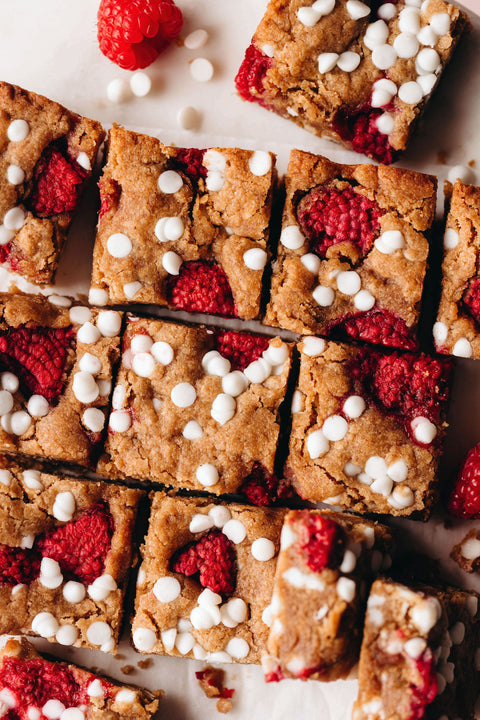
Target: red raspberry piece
[[249, 79], [37, 356], [190, 161], [35, 681], [471, 299], [81, 546], [212, 558], [110, 191], [58, 182], [5, 252], [275, 675], [201, 287], [320, 540], [211, 681], [329, 216], [359, 127], [263, 488], [18, 565], [240, 348], [465, 497], [426, 690], [132, 33], [406, 386], [376, 326]]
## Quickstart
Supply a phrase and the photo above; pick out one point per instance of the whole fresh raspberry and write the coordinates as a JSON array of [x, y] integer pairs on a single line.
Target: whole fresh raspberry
[[201, 287], [376, 326], [328, 216], [359, 127], [240, 348], [190, 161], [471, 299], [132, 33], [80, 547], [320, 540], [18, 565], [406, 386], [212, 559], [465, 497], [36, 681], [37, 356], [249, 79], [425, 690], [58, 182], [263, 488]]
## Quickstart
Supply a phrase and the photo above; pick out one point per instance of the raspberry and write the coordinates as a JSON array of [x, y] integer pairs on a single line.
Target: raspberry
[[249, 79], [58, 182], [211, 681], [110, 191], [320, 540], [406, 386], [359, 127], [376, 326], [132, 33], [471, 299], [35, 681], [37, 356], [5, 252], [465, 497], [329, 216], [80, 547], [240, 348], [275, 675], [201, 287], [426, 690], [212, 558], [18, 565], [190, 161], [263, 488]]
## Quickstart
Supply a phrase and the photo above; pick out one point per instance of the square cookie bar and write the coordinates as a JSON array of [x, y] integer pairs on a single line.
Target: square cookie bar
[[325, 566], [353, 251], [417, 657], [46, 160], [33, 687], [182, 227], [205, 583], [56, 363], [457, 330], [65, 554], [196, 407], [367, 428], [357, 72]]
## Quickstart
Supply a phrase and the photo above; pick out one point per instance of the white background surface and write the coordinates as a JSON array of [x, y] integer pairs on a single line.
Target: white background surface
[[50, 47]]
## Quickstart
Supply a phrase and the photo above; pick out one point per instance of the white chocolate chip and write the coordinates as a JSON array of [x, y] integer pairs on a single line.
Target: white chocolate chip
[[415, 647], [457, 633], [323, 296], [238, 648], [90, 363], [313, 346], [387, 11], [168, 638], [220, 515], [349, 282], [390, 241], [166, 589], [384, 56], [440, 332], [18, 130], [335, 428], [401, 497], [235, 531], [311, 262], [64, 506], [201, 69], [196, 39], [470, 549], [109, 323], [426, 614], [292, 238], [207, 474], [6, 477], [74, 592], [119, 245], [88, 334], [258, 371], [260, 163], [308, 16], [118, 90], [327, 61], [398, 471], [143, 364], [234, 383], [14, 218], [406, 45], [354, 406], [6, 402], [53, 709], [15, 175], [383, 92], [255, 258], [385, 123], [200, 523], [66, 635], [50, 573], [428, 60], [423, 430], [263, 549], [317, 444], [144, 639], [188, 117], [357, 9], [170, 182], [223, 408], [93, 419], [162, 352], [215, 364], [376, 34], [100, 633], [364, 300], [140, 84], [120, 421], [409, 20], [450, 239], [410, 93], [101, 587], [183, 395], [349, 562], [346, 589], [348, 61], [184, 642], [192, 430], [351, 469], [84, 387], [84, 161], [97, 296], [45, 625]]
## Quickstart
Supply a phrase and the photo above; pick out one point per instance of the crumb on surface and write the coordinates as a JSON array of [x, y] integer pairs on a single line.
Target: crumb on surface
[[127, 669], [144, 664], [211, 681]]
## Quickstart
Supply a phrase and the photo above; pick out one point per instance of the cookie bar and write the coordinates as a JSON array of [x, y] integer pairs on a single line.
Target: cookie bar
[[205, 583], [46, 160], [353, 251], [33, 687], [56, 363], [466, 553], [367, 428], [417, 656], [196, 407], [182, 227], [357, 72], [65, 554], [457, 330], [325, 565]]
